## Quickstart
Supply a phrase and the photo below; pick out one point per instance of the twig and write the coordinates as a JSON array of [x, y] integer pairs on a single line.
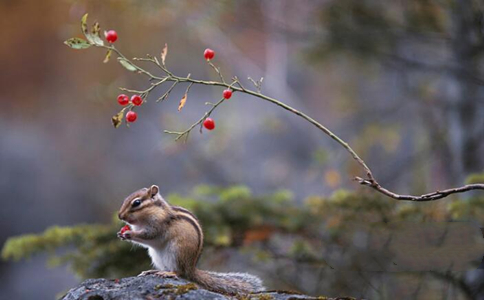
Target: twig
[[188, 88], [236, 80], [257, 84], [130, 90], [425, 197], [167, 93], [180, 134], [217, 70]]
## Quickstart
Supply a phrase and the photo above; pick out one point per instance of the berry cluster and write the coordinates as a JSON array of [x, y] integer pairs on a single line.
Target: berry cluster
[[137, 100]]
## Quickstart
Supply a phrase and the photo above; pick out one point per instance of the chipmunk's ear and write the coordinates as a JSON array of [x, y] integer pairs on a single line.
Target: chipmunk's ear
[[154, 190]]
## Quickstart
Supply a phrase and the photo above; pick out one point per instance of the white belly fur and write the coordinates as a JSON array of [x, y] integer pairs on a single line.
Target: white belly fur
[[164, 258]]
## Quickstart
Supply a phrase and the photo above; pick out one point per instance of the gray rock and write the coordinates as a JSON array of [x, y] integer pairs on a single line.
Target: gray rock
[[152, 287]]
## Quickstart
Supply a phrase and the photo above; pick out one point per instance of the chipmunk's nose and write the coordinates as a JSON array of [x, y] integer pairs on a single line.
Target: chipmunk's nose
[[119, 216]]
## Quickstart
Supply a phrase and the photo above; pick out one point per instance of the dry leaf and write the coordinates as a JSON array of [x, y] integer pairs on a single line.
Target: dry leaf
[[118, 118], [182, 102], [108, 55], [164, 52]]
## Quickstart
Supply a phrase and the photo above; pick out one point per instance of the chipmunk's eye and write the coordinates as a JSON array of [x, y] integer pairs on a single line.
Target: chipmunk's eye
[[136, 203]]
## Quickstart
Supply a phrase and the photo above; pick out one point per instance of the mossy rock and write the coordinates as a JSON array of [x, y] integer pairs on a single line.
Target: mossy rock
[[152, 287]]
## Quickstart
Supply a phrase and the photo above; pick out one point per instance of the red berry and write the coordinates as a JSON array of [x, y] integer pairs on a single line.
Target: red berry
[[136, 100], [209, 54], [123, 100], [131, 116], [209, 123], [125, 228], [111, 36], [227, 94]]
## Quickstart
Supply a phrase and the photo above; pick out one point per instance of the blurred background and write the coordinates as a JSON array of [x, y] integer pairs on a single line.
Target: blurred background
[[401, 81]]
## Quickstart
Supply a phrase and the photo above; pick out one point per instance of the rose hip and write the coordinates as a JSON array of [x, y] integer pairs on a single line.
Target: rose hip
[[111, 36], [227, 94], [125, 228], [123, 100], [209, 54], [131, 116], [209, 123], [136, 100]]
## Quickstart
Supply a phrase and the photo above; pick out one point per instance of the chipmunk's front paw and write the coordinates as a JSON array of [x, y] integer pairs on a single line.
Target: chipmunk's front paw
[[125, 235], [162, 274]]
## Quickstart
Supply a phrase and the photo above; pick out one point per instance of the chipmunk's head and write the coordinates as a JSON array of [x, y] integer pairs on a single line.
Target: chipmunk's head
[[142, 205]]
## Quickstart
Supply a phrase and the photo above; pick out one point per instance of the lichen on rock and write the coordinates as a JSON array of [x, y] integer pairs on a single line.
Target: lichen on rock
[[152, 287]]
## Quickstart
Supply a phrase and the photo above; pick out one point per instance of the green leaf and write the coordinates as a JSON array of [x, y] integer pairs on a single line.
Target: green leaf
[[77, 43], [129, 66], [95, 37]]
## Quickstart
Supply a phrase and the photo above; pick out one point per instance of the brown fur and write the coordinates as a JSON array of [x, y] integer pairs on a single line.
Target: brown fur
[[185, 234], [223, 282], [158, 223]]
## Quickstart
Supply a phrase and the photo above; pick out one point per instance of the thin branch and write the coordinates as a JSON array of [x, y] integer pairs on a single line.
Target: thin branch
[[138, 68], [189, 87], [167, 93], [237, 81], [369, 181], [180, 134], [131, 91], [425, 197]]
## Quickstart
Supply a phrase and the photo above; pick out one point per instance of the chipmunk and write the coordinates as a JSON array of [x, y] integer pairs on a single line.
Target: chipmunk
[[174, 239]]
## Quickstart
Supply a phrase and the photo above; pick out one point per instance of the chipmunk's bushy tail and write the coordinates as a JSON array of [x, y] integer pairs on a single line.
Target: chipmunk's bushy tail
[[229, 283]]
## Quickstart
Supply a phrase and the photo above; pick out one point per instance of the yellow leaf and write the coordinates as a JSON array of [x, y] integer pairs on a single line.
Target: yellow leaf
[[164, 52], [108, 55], [182, 102], [84, 25], [96, 29]]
